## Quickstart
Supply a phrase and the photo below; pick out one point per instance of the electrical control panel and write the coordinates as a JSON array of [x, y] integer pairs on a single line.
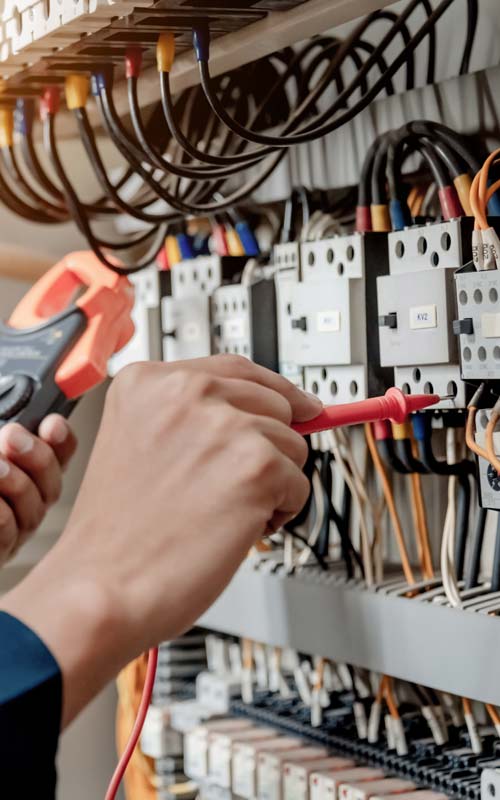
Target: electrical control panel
[[244, 321], [186, 313], [328, 317], [417, 308]]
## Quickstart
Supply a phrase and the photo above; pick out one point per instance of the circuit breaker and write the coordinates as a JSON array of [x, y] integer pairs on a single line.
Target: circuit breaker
[[331, 313], [186, 313], [244, 321], [286, 258], [417, 308]]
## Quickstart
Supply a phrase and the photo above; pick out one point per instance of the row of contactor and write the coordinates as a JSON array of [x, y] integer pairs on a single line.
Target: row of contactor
[[231, 756], [348, 316]]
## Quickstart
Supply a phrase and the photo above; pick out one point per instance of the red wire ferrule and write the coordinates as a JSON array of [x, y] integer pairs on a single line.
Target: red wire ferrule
[[133, 62], [382, 430], [449, 202], [363, 219], [50, 102]]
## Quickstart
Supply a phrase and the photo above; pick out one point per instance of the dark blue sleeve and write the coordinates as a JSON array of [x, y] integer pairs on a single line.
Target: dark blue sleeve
[[30, 712]]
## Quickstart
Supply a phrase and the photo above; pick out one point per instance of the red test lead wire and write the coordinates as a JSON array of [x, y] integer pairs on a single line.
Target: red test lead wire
[[394, 405], [147, 693]]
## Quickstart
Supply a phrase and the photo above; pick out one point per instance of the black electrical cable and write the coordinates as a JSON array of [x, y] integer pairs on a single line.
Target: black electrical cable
[[128, 149], [364, 190], [474, 565], [20, 207], [157, 160], [462, 523], [389, 456], [325, 474], [472, 18], [449, 137], [319, 558], [378, 180], [10, 163], [99, 169], [404, 452], [454, 163], [369, 48], [81, 218], [315, 128], [440, 467]]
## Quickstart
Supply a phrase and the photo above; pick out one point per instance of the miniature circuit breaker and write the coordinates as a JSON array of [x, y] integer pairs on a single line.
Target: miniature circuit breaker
[[329, 317], [286, 259], [186, 313], [244, 321], [417, 308]]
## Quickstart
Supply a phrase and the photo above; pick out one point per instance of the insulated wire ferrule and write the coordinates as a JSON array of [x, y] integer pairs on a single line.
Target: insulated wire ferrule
[[165, 52], [6, 127], [76, 91]]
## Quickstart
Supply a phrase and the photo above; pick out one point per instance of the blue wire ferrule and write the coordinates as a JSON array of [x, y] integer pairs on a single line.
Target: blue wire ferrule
[[421, 426], [247, 239], [201, 42], [184, 242], [24, 114], [398, 217]]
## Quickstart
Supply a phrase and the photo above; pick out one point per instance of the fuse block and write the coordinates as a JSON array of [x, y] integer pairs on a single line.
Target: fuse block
[[417, 308], [331, 313]]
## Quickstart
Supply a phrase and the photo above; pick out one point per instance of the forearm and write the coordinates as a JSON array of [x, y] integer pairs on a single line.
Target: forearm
[[78, 621]]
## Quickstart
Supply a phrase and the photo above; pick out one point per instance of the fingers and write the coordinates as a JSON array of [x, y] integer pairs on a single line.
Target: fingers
[[289, 443], [56, 431], [294, 488], [8, 532], [304, 406], [255, 399], [20, 493], [33, 457]]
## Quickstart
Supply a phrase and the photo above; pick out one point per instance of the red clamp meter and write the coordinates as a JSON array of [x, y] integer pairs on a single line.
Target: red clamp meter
[[57, 342]]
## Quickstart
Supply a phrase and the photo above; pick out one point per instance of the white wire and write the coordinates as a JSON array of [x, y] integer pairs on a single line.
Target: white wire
[[354, 489], [319, 501], [448, 572]]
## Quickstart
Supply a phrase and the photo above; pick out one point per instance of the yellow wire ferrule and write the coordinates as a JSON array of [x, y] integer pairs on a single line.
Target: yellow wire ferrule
[[6, 127], [401, 430], [381, 219], [234, 243], [165, 52], [463, 184], [173, 250], [76, 89]]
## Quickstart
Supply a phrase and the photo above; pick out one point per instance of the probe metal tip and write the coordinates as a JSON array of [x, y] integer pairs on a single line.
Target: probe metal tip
[[446, 397]]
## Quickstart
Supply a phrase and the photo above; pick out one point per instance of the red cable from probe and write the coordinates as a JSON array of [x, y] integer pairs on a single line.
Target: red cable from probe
[[147, 692]]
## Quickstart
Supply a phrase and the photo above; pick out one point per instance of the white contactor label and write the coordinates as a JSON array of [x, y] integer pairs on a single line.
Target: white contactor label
[[423, 317]]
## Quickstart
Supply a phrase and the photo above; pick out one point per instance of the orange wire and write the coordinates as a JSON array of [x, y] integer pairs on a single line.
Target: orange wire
[[467, 705], [469, 434], [391, 506], [389, 699], [493, 713]]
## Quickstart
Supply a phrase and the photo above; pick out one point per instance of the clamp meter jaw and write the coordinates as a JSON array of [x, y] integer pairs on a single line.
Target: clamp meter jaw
[[58, 340]]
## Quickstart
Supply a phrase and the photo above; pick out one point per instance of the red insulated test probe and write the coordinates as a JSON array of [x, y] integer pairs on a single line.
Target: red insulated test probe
[[394, 405]]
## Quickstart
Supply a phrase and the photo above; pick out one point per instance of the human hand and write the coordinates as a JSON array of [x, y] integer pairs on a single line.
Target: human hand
[[30, 477], [192, 464]]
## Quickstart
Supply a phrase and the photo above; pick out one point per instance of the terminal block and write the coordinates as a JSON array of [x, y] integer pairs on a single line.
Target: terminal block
[[186, 313], [417, 308], [478, 323], [286, 258], [244, 321], [332, 314]]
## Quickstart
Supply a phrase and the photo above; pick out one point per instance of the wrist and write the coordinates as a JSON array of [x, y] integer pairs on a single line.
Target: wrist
[[79, 621]]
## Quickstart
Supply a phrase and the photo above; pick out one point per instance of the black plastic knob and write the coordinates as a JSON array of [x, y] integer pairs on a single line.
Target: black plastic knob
[[463, 326]]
